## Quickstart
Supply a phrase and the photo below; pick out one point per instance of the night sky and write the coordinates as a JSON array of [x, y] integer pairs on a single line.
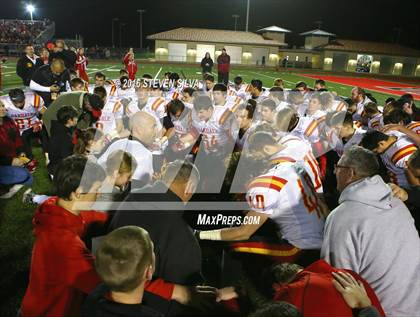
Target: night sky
[[356, 19]]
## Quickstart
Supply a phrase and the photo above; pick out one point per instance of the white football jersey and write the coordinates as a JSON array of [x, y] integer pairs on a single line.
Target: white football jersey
[[396, 156], [286, 194], [310, 128], [360, 108], [156, 106], [376, 123], [217, 131], [143, 156], [414, 126], [112, 111], [26, 117], [300, 150], [338, 105]]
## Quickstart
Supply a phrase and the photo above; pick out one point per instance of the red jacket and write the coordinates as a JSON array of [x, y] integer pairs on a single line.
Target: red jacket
[[62, 268], [313, 293], [223, 63], [11, 144], [130, 66]]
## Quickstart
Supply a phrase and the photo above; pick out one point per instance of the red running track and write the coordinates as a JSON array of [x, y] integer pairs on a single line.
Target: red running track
[[387, 87]]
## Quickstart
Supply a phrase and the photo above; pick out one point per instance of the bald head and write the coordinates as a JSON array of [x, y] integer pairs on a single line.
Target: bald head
[[143, 127]]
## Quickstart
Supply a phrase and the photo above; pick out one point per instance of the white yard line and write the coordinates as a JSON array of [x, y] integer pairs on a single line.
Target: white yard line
[[287, 81], [101, 70]]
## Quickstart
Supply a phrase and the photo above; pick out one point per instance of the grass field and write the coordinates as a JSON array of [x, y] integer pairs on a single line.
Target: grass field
[[15, 218], [11, 80]]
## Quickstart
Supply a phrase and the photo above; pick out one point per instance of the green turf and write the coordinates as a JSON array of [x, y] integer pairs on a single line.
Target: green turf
[[10, 79]]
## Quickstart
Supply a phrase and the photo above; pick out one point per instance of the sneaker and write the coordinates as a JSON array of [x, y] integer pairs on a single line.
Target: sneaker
[[28, 196]]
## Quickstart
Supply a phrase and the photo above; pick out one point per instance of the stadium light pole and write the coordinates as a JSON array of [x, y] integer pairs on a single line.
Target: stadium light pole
[[141, 11], [235, 16], [247, 15], [112, 31], [31, 8], [121, 26]]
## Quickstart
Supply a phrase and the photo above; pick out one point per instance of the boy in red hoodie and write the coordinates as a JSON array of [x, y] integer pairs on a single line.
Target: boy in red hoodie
[[62, 267]]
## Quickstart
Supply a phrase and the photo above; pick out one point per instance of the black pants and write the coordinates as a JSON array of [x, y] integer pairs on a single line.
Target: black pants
[[223, 78], [27, 137]]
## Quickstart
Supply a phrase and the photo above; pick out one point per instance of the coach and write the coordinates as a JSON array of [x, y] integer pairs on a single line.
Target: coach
[[50, 80], [27, 64], [223, 65], [178, 255]]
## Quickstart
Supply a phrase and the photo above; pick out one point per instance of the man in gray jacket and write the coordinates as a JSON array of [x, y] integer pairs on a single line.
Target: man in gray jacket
[[372, 233]]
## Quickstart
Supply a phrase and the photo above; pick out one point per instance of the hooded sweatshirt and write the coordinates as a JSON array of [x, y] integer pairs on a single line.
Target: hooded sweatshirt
[[373, 233], [62, 268]]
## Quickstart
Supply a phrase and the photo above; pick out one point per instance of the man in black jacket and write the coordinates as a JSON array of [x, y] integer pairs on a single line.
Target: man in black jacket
[[178, 254], [62, 52], [49, 80], [27, 64]]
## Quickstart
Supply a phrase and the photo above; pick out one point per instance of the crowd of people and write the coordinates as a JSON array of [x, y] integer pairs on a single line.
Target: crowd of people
[[219, 199], [20, 31]]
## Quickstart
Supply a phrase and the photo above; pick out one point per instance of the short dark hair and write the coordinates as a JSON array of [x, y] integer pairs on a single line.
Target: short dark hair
[[147, 76], [174, 76], [370, 108], [276, 88], [269, 103], [174, 106], [70, 174], [301, 84], [123, 257], [17, 95], [189, 90], [396, 116], [209, 77], [95, 101], [100, 75], [320, 82], [372, 138], [179, 171], [124, 80], [123, 71], [202, 102], [389, 99], [341, 117], [76, 81], [256, 83], [238, 80], [220, 87], [277, 309], [100, 91], [250, 108], [66, 113], [258, 140]]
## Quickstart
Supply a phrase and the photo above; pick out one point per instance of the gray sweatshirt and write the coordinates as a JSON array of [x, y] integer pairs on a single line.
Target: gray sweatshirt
[[373, 234]]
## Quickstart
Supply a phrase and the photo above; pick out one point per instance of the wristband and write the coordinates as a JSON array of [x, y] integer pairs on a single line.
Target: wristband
[[211, 235]]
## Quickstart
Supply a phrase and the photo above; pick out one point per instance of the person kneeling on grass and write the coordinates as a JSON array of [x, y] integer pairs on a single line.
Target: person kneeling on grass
[[12, 163]]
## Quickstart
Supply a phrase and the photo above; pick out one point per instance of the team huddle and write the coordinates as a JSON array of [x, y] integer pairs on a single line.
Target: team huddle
[[277, 150]]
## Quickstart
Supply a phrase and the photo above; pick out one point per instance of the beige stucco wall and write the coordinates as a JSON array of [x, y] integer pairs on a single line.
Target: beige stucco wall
[[162, 54]]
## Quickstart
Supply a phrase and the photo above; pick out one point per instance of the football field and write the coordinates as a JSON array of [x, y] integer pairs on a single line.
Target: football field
[[342, 85], [15, 217]]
